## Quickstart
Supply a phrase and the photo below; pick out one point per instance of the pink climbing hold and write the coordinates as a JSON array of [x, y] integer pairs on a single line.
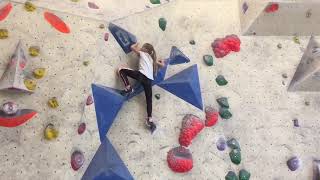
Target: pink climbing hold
[[272, 8], [81, 128], [191, 126], [106, 36], [223, 46], [89, 100], [212, 116], [180, 160], [77, 160], [92, 5]]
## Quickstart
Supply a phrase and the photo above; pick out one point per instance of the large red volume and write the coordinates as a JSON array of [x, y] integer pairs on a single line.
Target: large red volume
[[4, 12], [180, 160], [56, 22], [191, 126]]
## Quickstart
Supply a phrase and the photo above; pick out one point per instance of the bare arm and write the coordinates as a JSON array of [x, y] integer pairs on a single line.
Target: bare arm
[[161, 63], [135, 48]]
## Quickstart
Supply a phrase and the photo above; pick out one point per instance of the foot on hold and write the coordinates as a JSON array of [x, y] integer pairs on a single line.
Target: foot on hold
[[151, 125], [244, 175], [127, 92], [231, 176]]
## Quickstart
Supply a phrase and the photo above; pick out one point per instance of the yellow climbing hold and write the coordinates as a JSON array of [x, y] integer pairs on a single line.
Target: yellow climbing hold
[[39, 73], [28, 6], [51, 132], [296, 40], [4, 33], [30, 84], [34, 51], [53, 102], [75, 0]]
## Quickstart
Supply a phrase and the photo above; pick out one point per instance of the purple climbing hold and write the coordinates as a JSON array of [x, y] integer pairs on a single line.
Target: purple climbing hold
[[82, 128], [106, 36], [77, 160], [296, 123], [92, 5], [293, 163], [89, 100], [245, 7], [221, 144]]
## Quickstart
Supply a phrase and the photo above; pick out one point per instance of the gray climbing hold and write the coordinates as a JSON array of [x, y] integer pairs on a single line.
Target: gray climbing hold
[[221, 81], [162, 24], [208, 59], [279, 46], [233, 143], [223, 102]]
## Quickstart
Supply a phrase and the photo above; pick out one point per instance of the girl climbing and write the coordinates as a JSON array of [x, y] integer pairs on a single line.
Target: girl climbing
[[148, 69]]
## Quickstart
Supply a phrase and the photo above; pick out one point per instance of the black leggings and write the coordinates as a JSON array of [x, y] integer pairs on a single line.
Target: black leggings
[[141, 78]]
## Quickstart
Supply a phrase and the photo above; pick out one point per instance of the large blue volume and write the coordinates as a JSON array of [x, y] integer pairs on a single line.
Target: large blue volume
[[107, 165], [108, 103], [123, 37], [185, 85]]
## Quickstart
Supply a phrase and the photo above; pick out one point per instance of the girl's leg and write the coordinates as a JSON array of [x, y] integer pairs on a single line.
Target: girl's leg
[[124, 73], [148, 92]]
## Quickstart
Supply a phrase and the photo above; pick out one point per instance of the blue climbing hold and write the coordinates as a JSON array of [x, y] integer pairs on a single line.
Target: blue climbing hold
[[137, 88], [185, 85], [177, 57], [123, 37], [106, 165], [107, 102]]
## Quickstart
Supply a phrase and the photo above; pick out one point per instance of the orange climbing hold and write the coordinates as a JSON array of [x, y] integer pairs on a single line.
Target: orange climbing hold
[[4, 11], [56, 22]]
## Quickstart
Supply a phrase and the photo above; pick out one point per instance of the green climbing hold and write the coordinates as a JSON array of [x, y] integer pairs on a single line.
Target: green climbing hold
[[233, 144], [231, 176], [221, 81], [244, 174], [225, 113], [223, 102], [162, 24], [235, 156], [208, 59], [155, 1], [157, 96]]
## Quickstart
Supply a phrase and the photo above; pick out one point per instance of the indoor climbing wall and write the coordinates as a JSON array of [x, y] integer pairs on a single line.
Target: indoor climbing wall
[[222, 108], [279, 18]]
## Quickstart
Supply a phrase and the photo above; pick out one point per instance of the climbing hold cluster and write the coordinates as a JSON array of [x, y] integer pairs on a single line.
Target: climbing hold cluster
[[53, 102], [293, 163], [272, 8], [223, 46], [162, 24], [10, 108], [28, 6], [221, 80], [224, 108], [212, 116], [50, 132], [191, 126], [77, 160], [180, 159], [4, 34], [39, 73], [34, 51], [208, 59]]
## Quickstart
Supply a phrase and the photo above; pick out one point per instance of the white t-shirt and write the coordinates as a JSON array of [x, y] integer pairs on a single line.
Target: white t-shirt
[[146, 65]]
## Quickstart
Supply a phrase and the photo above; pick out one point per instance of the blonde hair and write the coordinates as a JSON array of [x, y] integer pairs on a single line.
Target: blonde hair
[[150, 50]]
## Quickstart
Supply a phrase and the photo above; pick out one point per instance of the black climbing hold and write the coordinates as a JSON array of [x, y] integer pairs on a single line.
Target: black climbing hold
[[162, 24], [157, 96], [208, 59], [233, 144], [192, 42], [235, 156]]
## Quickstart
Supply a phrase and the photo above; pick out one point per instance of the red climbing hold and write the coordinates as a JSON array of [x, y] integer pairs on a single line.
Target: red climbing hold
[[4, 11], [212, 116], [223, 46], [92, 5], [272, 8], [77, 160], [89, 100], [81, 128], [56, 22], [191, 126], [180, 160], [17, 119]]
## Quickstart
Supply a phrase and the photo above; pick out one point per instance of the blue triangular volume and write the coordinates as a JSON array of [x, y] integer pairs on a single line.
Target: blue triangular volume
[[107, 102], [123, 37], [177, 57], [159, 78], [186, 86], [106, 165]]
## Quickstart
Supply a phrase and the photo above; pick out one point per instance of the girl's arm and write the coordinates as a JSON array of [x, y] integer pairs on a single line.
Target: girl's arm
[[135, 48], [161, 63]]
